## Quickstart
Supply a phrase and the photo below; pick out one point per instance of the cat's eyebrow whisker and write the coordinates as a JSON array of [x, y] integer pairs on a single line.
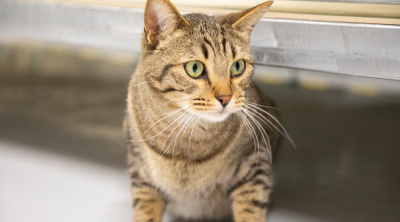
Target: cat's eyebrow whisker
[[262, 131], [284, 133]]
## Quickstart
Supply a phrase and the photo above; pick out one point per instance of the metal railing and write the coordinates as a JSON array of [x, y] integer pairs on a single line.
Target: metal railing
[[370, 50]]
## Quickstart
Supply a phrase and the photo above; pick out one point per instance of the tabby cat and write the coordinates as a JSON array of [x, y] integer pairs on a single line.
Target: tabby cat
[[200, 136]]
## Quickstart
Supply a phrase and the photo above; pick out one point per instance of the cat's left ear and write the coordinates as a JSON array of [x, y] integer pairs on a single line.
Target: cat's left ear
[[247, 19], [160, 19]]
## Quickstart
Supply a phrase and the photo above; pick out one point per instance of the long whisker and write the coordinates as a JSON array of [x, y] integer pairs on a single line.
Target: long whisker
[[164, 128], [188, 114], [189, 120], [269, 123], [160, 107], [246, 125], [264, 134], [256, 143], [269, 107], [251, 113], [240, 115], [171, 113], [284, 133], [190, 138], [263, 118]]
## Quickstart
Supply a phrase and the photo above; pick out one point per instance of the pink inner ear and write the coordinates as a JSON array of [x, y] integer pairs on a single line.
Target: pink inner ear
[[151, 20]]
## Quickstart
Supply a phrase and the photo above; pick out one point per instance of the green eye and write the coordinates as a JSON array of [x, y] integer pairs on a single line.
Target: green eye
[[237, 67], [194, 68]]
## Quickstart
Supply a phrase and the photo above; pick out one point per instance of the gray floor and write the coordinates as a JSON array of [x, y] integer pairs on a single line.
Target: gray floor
[[62, 153]]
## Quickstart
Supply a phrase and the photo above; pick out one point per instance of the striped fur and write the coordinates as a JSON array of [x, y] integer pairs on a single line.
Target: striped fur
[[188, 155]]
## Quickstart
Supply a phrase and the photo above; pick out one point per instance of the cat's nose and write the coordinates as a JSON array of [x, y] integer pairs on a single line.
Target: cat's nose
[[224, 99]]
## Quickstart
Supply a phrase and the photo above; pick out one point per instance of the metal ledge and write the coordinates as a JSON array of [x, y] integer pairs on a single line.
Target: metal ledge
[[343, 48]]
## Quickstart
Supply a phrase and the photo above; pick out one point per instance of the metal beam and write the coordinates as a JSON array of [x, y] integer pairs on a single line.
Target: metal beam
[[343, 48]]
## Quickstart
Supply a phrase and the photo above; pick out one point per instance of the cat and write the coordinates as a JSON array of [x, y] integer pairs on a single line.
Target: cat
[[199, 133]]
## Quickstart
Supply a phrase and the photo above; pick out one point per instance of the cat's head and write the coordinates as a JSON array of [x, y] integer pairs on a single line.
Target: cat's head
[[200, 62]]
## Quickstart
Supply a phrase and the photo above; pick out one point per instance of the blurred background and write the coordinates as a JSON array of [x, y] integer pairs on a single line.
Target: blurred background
[[332, 68]]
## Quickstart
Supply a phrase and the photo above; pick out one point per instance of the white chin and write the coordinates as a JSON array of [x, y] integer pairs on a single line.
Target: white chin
[[215, 117]]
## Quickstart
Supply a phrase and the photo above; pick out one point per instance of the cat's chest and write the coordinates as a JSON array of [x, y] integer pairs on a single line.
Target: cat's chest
[[181, 178]]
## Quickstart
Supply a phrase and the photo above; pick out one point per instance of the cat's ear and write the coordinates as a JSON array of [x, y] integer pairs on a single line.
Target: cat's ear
[[247, 19], [160, 19]]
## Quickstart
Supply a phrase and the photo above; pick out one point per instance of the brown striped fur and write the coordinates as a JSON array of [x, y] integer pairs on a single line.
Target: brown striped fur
[[188, 155]]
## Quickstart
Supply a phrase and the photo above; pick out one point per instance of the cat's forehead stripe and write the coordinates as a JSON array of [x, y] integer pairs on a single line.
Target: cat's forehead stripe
[[233, 51], [213, 33], [209, 43], [218, 42], [204, 50], [224, 43]]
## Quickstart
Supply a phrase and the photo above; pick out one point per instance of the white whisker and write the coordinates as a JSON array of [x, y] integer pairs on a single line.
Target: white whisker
[[283, 132], [171, 113], [263, 118], [188, 121], [269, 107], [190, 138], [255, 137], [193, 118], [263, 134], [160, 107], [188, 114], [164, 128], [246, 125]]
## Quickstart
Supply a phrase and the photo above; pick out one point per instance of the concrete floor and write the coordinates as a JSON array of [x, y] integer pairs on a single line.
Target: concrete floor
[[62, 153]]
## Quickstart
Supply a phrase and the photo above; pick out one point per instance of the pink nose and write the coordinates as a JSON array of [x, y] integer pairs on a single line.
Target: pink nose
[[224, 99]]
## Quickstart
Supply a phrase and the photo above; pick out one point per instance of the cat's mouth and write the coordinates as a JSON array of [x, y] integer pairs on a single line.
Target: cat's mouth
[[217, 116]]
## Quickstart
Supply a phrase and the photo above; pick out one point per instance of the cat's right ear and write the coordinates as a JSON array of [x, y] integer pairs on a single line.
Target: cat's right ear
[[246, 20], [161, 18]]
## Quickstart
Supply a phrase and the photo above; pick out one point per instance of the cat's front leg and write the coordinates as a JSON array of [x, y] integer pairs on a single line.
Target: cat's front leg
[[250, 195], [148, 204]]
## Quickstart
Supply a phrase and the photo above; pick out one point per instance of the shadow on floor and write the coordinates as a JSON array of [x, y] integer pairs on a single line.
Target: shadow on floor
[[346, 166]]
